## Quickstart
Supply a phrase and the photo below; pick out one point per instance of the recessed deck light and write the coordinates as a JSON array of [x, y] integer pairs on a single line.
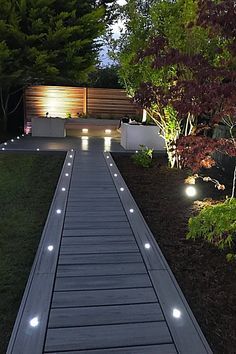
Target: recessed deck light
[[122, 189], [147, 245], [34, 322], [58, 211], [50, 248], [131, 210], [176, 313]]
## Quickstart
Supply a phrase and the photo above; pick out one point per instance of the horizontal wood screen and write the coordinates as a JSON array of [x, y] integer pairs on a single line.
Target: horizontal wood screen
[[60, 100]]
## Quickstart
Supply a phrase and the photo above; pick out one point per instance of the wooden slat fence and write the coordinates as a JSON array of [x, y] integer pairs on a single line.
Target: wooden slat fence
[[60, 100]]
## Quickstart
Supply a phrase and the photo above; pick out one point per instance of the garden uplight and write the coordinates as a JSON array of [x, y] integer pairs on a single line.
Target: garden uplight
[[190, 191]]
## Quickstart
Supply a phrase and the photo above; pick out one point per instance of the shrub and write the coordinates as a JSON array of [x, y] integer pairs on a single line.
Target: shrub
[[143, 157], [217, 225]]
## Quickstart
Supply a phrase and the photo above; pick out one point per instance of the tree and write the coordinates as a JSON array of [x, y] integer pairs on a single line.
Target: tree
[[48, 41], [105, 77]]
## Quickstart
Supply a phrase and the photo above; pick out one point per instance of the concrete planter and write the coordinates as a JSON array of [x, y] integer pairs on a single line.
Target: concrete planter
[[132, 136], [48, 127]]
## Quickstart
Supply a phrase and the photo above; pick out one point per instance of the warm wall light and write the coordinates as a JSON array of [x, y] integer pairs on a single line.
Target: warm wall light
[[108, 131], [191, 191], [84, 130]]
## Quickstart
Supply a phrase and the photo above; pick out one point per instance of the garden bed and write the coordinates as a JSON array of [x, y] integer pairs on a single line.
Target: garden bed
[[27, 184], [205, 277]]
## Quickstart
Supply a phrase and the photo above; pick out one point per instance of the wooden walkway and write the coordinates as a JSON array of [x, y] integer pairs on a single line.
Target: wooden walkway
[[100, 285]]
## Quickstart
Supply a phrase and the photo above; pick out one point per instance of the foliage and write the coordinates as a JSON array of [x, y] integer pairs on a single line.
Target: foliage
[[48, 41], [196, 152], [143, 157], [105, 77], [68, 115], [217, 225]]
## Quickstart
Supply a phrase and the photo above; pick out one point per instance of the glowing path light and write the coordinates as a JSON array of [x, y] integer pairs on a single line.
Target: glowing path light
[[34, 322], [191, 191]]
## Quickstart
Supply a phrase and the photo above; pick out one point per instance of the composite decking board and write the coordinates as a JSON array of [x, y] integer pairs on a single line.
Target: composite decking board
[[109, 336], [77, 299], [96, 225], [147, 349], [102, 282], [101, 258], [104, 315], [97, 232], [85, 240], [95, 218], [92, 214], [102, 248], [100, 269]]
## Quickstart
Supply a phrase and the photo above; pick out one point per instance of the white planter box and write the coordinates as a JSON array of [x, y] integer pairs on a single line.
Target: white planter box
[[48, 127], [132, 136]]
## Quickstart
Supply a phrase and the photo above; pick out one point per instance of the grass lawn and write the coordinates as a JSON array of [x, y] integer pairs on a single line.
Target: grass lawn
[[27, 184]]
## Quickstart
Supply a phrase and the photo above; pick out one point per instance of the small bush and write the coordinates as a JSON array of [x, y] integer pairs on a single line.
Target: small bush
[[143, 157], [216, 224]]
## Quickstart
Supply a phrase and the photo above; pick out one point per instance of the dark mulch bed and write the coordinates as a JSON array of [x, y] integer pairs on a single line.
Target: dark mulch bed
[[207, 280]]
